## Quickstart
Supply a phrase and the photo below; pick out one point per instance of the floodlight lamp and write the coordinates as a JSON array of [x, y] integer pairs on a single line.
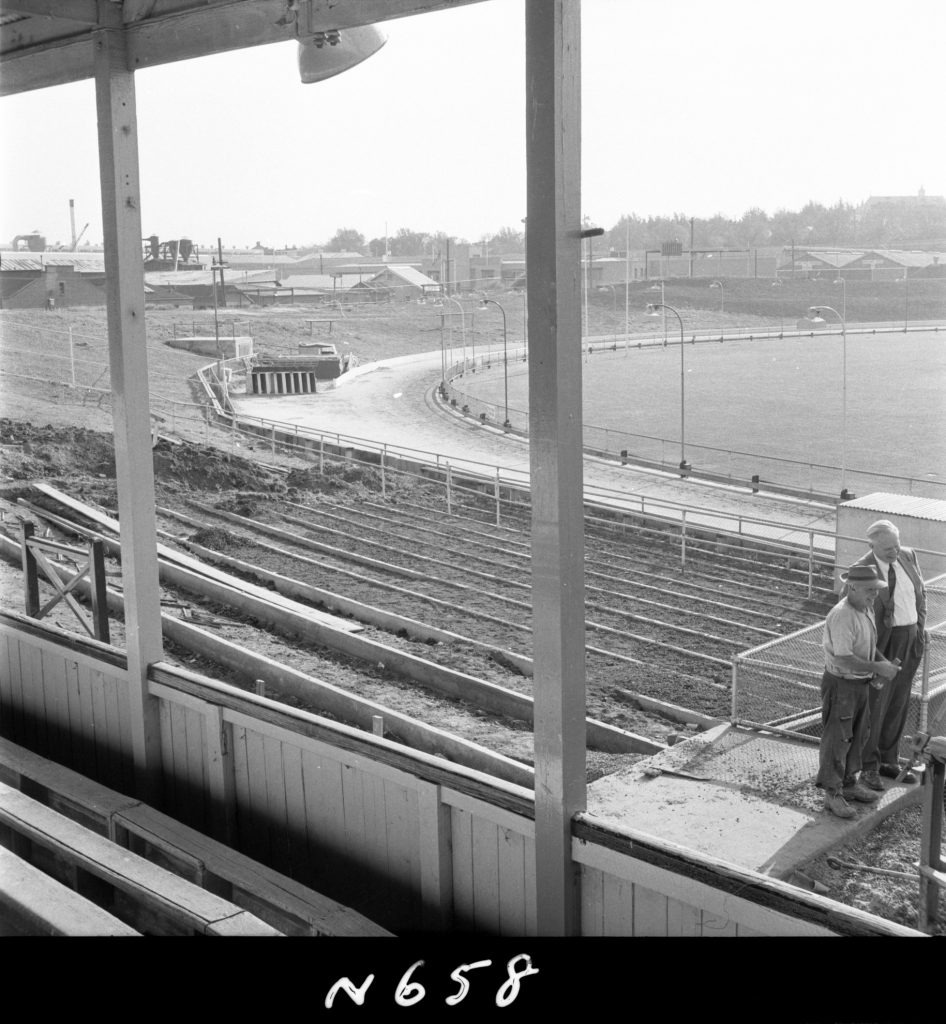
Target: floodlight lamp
[[655, 288], [652, 310], [716, 284]]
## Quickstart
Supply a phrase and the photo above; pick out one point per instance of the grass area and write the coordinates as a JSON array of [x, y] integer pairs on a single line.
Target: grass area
[[781, 398]]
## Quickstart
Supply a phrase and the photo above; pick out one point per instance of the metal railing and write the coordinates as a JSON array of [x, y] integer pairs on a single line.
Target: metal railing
[[732, 466]]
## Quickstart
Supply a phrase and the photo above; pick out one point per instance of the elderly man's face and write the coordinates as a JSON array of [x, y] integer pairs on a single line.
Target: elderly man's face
[[861, 595], [886, 546]]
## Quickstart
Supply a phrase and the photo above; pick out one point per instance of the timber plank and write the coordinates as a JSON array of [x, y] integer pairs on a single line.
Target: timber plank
[[276, 804], [155, 890], [259, 806], [618, 899], [435, 856], [295, 811], [124, 717], [592, 902], [485, 835], [196, 767], [718, 926], [7, 675], [650, 912], [34, 704], [683, 919], [39, 905], [16, 707], [178, 763], [167, 758], [512, 883], [353, 802], [77, 758], [462, 863], [84, 692], [400, 810], [66, 791], [268, 894], [245, 831], [325, 813], [57, 706], [532, 910], [241, 924], [113, 732], [103, 743]]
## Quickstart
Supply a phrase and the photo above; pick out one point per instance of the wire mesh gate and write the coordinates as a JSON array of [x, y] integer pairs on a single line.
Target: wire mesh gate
[[777, 685]]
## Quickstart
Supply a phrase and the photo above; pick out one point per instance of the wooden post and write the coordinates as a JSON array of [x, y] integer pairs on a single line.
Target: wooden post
[[30, 575], [97, 589], [377, 725], [931, 843], [496, 494], [128, 366], [218, 740], [449, 503], [553, 226]]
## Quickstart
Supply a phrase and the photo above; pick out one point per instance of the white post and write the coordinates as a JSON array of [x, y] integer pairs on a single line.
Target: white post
[[811, 561], [449, 500], [72, 358], [496, 494], [116, 111], [384, 491]]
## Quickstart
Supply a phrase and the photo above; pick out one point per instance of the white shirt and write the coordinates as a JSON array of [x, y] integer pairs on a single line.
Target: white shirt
[[904, 594]]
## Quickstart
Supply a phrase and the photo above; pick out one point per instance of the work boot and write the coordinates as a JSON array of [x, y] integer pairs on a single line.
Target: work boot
[[891, 771], [871, 780], [836, 804], [860, 793]]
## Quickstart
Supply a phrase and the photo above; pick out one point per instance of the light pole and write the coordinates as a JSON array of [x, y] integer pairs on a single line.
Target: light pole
[[905, 280], [660, 287], [719, 285], [457, 303], [486, 302], [781, 307], [818, 311], [840, 280], [652, 308], [443, 361]]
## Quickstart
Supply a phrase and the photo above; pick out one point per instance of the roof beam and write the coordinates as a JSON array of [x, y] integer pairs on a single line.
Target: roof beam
[[165, 31], [85, 12]]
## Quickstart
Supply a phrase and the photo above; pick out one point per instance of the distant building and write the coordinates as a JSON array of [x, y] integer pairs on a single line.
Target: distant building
[[51, 280]]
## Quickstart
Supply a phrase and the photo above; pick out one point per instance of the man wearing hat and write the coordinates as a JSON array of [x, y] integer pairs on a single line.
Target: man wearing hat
[[900, 615], [851, 661]]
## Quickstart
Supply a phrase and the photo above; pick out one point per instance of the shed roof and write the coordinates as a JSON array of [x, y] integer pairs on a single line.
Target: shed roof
[[82, 263], [410, 275], [901, 505]]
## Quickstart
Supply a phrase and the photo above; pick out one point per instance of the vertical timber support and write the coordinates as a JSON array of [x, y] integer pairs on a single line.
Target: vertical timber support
[[553, 226], [128, 366]]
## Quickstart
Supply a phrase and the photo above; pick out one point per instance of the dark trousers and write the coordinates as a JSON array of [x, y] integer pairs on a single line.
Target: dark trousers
[[889, 706], [844, 721]]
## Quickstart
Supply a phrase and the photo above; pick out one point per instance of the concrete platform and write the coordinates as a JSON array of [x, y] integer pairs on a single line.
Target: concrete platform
[[755, 804]]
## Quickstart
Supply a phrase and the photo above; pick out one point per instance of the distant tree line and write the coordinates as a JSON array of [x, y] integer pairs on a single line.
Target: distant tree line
[[876, 227]]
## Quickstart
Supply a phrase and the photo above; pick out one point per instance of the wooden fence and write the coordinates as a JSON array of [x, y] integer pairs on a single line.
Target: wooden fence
[[407, 839]]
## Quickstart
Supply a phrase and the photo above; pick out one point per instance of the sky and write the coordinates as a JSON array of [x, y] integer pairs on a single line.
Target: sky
[[688, 107]]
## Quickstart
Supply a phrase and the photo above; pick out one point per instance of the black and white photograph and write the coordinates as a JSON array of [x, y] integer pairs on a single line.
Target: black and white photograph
[[473, 481]]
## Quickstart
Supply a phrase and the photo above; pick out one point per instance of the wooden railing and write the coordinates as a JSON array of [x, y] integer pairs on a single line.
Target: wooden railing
[[410, 840]]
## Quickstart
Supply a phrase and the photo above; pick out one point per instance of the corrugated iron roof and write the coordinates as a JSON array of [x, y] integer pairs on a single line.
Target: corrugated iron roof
[[902, 505], [409, 274], [84, 263]]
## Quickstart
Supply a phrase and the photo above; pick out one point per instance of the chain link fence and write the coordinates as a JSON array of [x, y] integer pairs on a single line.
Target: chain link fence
[[777, 685]]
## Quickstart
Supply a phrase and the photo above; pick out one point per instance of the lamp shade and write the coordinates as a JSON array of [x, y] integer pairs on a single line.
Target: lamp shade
[[321, 58]]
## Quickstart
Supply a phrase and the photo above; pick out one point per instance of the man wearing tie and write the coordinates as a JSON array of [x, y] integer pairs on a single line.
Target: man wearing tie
[[900, 615]]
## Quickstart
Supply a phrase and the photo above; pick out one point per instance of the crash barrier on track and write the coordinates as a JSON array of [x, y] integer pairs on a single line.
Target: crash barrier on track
[[817, 481], [777, 685], [411, 841]]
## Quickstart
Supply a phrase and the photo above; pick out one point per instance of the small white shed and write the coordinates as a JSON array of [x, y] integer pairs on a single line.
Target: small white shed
[[921, 521]]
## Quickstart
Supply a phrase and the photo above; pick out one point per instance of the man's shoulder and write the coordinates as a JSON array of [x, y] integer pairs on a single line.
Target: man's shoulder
[[866, 559], [841, 610]]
